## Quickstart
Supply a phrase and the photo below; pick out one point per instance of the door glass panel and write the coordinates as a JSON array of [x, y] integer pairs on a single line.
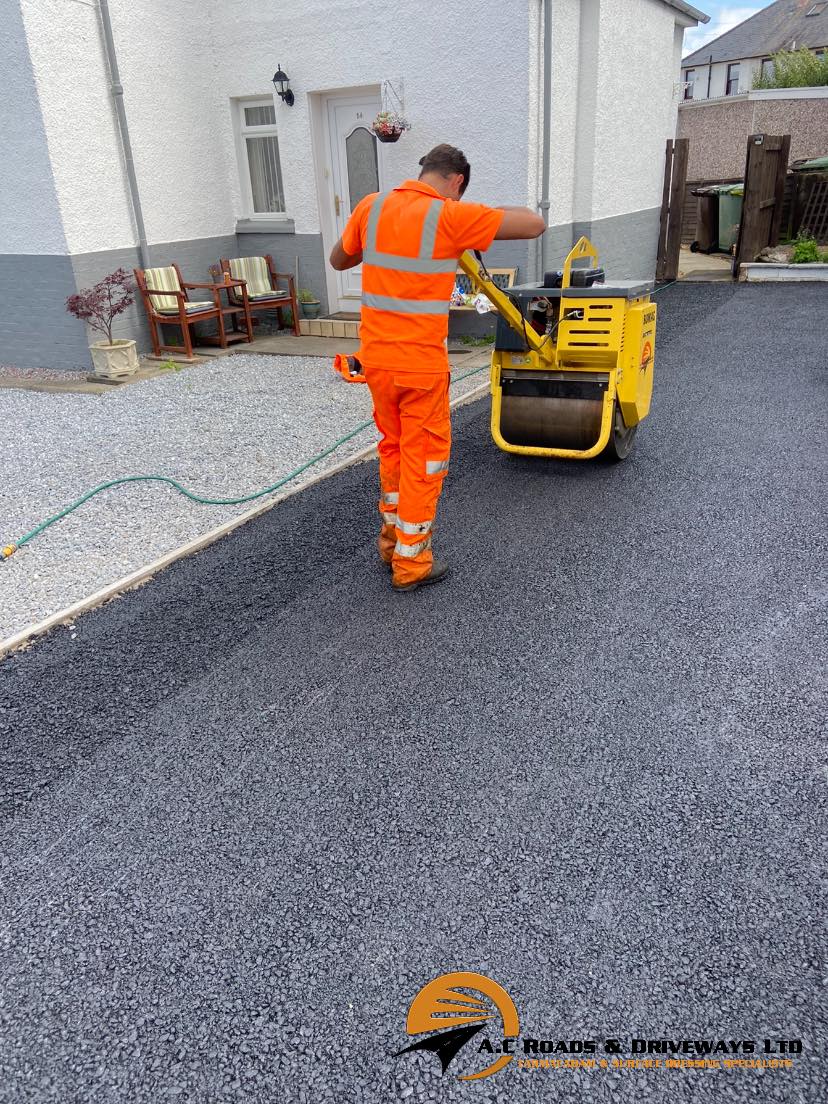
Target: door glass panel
[[363, 173]]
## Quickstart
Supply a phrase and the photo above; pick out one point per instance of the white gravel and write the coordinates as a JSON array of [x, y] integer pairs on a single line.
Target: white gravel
[[223, 429]]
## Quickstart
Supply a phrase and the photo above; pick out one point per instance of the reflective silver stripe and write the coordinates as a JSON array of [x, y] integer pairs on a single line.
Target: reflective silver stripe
[[428, 238], [405, 306], [424, 262], [373, 220], [412, 528], [390, 519], [409, 551], [435, 466], [410, 264], [391, 498]]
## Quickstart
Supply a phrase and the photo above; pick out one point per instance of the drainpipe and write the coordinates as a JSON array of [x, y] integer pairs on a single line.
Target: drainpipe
[[543, 205], [709, 74], [126, 148]]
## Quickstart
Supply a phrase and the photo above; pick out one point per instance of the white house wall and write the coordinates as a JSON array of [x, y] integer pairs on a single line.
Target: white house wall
[[563, 123], [464, 82], [36, 273], [31, 223], [81, 128], [469, 76], [615, 80], [637, 104]]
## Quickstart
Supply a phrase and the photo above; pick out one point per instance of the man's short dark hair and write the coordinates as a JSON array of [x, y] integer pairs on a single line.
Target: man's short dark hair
[[447, 161]]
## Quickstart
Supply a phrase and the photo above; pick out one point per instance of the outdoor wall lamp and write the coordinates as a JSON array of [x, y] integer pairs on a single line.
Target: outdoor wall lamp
[[281, 82]]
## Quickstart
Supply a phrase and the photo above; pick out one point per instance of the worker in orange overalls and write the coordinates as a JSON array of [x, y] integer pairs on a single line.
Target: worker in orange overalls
[[408, 242]]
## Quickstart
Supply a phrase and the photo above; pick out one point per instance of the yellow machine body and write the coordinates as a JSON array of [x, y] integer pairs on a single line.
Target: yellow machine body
[[585, 387]]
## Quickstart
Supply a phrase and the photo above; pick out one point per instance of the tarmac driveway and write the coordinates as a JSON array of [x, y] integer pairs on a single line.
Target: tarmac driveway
[[252, 807]]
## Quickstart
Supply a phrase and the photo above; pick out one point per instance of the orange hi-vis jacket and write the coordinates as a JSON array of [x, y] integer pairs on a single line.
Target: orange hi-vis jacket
[[411, 239]]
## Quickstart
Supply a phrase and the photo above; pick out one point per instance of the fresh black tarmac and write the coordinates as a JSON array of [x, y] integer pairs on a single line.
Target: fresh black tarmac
[[250, 808]]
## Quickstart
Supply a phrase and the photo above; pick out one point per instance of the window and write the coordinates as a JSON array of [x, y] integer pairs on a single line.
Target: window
[[732, 88], [817, 9], [689, 83], [259, 165], [767, 68]]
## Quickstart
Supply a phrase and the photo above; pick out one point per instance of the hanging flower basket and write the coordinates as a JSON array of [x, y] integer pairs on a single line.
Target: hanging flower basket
[[389, 126]]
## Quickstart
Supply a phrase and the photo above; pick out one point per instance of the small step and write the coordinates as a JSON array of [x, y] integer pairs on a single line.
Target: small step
[[328, 327]]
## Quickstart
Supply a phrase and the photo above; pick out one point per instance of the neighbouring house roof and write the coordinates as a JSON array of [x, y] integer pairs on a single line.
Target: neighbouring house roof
[[776, 27]]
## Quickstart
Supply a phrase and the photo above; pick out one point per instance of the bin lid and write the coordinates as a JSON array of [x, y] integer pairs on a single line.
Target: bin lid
[[815, 163], [719, 189]]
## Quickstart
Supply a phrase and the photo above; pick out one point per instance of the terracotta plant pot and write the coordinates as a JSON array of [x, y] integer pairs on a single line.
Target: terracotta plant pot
[[115, 361]]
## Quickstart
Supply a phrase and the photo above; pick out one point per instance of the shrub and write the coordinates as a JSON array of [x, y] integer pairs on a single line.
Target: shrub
[[100, 305], [795, 69], [805, 250]]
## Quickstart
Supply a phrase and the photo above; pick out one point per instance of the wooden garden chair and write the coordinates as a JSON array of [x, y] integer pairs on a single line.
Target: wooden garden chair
[[262, 291], [167, 303]]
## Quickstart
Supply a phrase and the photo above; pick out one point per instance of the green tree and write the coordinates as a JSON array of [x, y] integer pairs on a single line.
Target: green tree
[[795, 69]]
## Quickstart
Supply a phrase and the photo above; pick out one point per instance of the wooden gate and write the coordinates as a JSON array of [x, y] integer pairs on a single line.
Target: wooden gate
[[672, 208], [765, 170]]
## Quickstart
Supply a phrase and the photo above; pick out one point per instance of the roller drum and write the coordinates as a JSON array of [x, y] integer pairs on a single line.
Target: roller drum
[[542, 421]]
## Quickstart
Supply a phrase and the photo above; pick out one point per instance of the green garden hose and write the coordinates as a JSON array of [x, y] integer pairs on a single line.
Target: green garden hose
[[11, 548]]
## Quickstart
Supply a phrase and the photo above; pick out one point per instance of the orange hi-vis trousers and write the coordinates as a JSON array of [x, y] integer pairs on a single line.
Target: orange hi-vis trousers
[[411, 412]]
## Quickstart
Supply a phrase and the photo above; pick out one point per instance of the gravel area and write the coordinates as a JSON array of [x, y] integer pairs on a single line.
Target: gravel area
[[45, 374], [223, 429], [248, 810]]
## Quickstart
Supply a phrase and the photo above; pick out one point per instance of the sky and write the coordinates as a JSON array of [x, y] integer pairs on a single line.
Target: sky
[[723, 16]]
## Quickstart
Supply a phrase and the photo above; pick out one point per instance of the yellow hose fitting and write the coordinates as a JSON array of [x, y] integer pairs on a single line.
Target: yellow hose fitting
[[8, 551]]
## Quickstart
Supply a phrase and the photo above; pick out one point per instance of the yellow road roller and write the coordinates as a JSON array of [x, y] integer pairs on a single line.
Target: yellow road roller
[[572, 367]]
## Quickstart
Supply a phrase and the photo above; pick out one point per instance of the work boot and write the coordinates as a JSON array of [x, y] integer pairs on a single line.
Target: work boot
[[386, 543], [439, 570]]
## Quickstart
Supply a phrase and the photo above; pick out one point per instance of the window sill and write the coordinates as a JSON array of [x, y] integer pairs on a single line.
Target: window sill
[[265, 226]]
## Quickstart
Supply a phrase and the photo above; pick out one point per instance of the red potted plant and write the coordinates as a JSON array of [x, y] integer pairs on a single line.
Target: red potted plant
[[99, 306]]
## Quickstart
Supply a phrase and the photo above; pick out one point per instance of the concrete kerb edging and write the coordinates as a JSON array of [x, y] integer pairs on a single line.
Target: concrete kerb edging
[[142, 574], [767, 272]]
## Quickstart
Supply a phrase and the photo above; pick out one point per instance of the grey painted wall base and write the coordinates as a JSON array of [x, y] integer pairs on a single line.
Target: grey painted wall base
[[36, 331], [192, 257], [287, 250], [627, 244]]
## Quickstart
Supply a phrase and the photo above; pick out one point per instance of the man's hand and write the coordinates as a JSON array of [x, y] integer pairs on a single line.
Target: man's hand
[[519, 223], [340, 260]]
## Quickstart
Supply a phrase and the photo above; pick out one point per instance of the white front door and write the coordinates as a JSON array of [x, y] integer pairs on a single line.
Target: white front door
[[356, 171]]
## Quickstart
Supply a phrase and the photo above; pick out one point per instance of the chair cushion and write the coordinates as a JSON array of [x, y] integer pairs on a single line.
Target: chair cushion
[[190, 308], [255, 271], [268, 297], [163, 279]]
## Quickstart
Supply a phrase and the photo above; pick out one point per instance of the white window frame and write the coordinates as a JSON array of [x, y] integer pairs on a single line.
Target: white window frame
[[243, 131], [689, 84]]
